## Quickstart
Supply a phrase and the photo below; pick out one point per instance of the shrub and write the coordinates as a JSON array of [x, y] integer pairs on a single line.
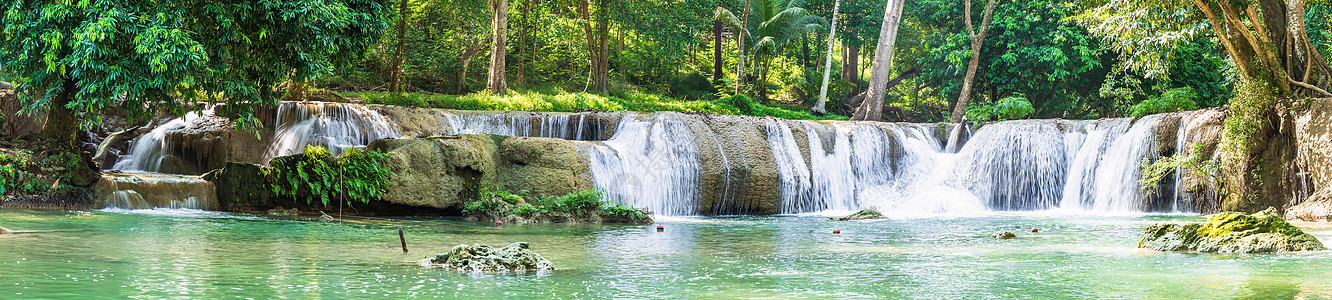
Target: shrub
[[1178, 99], [1010, 108], [692, 86], [357, 175]]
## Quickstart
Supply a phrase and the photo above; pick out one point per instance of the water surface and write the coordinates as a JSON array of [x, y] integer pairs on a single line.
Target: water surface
[[167, 253]]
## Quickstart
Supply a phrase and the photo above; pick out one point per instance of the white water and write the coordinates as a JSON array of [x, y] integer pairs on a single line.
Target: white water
[[578, 127], [148, 150], [649, 163], [334, 126]]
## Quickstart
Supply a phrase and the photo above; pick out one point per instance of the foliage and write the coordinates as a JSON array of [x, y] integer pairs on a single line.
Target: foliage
[[356, 176], [561, 101], [1032, 48], [144, 56], [771, 25], [1180, 99], [1153, 172], [499, 204], [18, 174], [692, 86], [1010, 108]]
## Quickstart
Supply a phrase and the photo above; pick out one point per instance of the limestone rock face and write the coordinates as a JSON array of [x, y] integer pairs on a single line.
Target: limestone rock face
[[516, 257], [437, 172], [1317, 208], [443, 172], [241, 187], [1231, 232], [543, 167], [1202, 137], [1313, 154]]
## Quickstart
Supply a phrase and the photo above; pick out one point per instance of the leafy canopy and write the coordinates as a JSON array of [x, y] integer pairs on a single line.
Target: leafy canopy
[[143, 56]]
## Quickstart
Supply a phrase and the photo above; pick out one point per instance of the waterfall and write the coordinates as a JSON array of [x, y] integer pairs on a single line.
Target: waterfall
[[148, 150], [577, 127], [147, 191], [1015, 165], [335, 126], [651, 164], [1078, 190], [1117, 176]]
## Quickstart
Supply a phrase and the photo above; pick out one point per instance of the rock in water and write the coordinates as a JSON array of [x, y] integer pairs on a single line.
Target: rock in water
[[5, 230], [1231, 232], [863, 214], [1003, 235], [515, 257]]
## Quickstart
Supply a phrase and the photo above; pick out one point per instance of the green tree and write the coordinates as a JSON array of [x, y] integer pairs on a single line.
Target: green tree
[[770, 27], [75, 59]]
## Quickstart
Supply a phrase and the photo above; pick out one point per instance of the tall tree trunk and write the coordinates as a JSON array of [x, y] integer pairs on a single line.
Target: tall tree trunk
[[62, 125], [523, 39], [395, 79], [467, 56], [853, 62], [740, 61], [495, 81], [820, 107], [717, 50], [596, 44], [603, 64], [872, 109], [977, 40]]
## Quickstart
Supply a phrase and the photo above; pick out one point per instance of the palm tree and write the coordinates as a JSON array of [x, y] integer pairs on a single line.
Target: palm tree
[[771, 25]]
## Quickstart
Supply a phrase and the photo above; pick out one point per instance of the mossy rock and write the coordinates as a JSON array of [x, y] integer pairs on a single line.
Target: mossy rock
[[1003, 235], [516, 257], [1231, 232], [863, 214]]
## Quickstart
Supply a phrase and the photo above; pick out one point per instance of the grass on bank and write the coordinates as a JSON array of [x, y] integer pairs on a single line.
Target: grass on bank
[[558, 100]]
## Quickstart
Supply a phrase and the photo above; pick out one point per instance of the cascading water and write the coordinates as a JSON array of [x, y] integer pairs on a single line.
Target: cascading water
[[335, 126], [651, 163], [148, 150], [577, 127], [147, 191]]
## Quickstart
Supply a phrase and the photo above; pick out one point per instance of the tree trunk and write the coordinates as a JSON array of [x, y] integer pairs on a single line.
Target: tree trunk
[[523, 40], [853, 62], [602, 71], [977, 40], [62, 126], [500, 22], [820, 107], [872, 109], [467, 56], [395, 79], [740, 61], [717, 50]]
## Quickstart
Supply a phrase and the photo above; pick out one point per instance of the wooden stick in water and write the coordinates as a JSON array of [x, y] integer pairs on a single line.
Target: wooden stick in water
[[403, 239]]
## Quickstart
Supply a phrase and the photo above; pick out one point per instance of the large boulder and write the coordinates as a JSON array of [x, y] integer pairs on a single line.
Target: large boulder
[[516, 257], [1317, 208], [442, 172], [542, 166], [1230, 232], [242, 187]]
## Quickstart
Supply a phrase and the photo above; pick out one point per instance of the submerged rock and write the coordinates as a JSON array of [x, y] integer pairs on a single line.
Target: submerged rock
[[863, 214], [279, 211], [1003, 235], [1231, 232], [515, 257]]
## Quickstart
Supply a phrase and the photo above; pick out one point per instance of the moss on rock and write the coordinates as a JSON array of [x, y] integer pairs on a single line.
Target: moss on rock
[[1231, 232], [516, 257], [860, 215]]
